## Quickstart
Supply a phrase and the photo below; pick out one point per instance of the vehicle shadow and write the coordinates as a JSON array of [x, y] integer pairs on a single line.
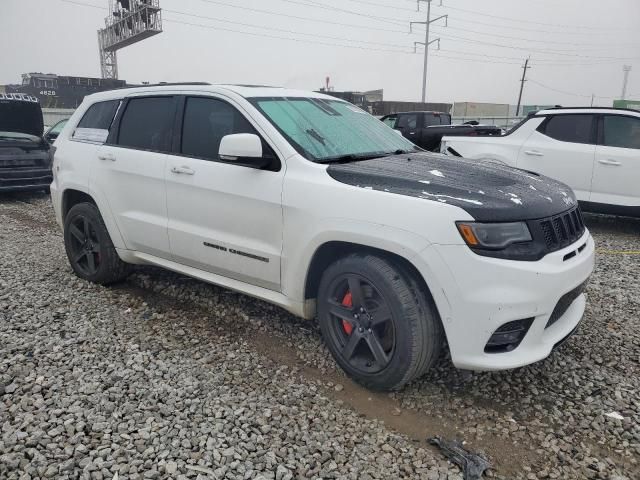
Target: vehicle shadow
[[28, 196], [610, 224]]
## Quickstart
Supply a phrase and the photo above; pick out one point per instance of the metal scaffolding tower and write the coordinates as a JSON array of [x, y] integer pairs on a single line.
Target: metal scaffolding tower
[[129, 22]]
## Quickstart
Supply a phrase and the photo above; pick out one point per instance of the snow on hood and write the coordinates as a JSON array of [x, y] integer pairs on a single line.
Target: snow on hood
[[487, 191]]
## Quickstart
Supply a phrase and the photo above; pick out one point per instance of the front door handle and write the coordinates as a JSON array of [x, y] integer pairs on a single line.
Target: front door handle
[[608, 161], [183, 170], [107, 157], [534, 153]]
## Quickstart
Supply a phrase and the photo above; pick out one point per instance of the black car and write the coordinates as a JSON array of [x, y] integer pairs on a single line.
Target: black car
[[426, 129], [25, 160]]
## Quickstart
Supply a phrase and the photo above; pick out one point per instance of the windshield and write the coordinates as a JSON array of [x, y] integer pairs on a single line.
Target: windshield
[[57, 128], [324, 130]]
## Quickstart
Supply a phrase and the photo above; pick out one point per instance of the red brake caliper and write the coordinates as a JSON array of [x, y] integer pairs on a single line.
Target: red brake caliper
[[347, 301]]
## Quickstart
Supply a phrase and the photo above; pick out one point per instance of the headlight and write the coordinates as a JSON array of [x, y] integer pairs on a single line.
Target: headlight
[[495, 236]]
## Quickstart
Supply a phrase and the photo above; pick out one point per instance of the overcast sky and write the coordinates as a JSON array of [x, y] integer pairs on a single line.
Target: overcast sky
[[577, 47]]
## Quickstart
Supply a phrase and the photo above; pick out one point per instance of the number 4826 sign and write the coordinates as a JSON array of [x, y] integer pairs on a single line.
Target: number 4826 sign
[[48, 93]]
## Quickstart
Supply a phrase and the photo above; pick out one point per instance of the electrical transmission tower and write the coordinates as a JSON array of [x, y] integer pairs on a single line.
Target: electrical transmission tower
[[129, 22], [524, 79], [427, 42], [626, 69]]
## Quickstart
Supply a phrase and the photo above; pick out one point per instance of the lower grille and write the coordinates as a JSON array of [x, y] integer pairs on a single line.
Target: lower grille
[[564, 303]]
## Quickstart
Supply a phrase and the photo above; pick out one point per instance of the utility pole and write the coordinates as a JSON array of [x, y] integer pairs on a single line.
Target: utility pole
[[593, 96], [524, 79], [427, 42], [626, 69]]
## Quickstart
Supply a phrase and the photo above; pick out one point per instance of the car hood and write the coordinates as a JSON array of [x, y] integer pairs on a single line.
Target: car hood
[[489, 192], [21, 116]]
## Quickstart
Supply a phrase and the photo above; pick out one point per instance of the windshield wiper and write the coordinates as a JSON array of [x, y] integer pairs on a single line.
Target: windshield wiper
[[351, 157]]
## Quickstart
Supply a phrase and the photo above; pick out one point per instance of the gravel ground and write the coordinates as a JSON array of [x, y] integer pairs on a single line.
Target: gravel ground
[[167, 377]]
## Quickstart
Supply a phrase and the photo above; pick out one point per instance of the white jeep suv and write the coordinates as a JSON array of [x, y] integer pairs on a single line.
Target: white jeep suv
[[310, 203]]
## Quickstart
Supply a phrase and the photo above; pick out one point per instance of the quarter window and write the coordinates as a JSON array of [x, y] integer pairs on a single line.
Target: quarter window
[[99, 115], [569, 128], [206, 121], [147, 124], [620, 131]]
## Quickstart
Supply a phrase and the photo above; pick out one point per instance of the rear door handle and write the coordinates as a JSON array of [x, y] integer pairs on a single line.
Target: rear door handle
[[107, 157], [607, 161], [183, 170], [534, 153]]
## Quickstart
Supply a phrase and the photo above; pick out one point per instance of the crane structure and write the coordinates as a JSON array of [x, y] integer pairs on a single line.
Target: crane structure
[[129, 22]]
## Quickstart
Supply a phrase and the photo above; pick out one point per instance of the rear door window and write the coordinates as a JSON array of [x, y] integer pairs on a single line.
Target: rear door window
[[621, 131], [147, 124], [431, 119], [577, 128], [409, 122]]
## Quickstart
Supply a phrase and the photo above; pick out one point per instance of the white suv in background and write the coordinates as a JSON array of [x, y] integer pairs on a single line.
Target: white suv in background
[[596, 151], [310, 203]]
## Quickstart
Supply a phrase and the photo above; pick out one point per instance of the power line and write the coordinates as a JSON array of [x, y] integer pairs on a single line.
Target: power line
[[565, 92], [395, 48], [525, 29], [301, 40], [297, 17], [527, 49], [293, 32], [394, 7], [315, 4], [577, 44], [545, 24]]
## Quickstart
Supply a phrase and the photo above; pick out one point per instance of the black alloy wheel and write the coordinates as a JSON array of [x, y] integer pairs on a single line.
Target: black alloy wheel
[[85, 245], [378, 320], [362, 323], [91, 252]]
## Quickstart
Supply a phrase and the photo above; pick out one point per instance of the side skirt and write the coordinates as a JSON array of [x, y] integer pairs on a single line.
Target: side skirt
[[300, 309]]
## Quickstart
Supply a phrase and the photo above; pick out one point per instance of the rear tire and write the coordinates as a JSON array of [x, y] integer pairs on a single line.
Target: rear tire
[[89, 247], [385, 335]]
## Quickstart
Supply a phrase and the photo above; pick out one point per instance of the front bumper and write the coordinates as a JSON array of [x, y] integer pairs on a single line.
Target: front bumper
[[482, 294], [25, 178]]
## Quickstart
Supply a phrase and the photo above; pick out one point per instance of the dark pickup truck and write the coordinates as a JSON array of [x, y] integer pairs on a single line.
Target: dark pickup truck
[[25, 160], [426, 129]]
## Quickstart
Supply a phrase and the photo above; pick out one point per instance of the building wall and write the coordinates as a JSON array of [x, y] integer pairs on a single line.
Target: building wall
[[54, 115], [474, 109]]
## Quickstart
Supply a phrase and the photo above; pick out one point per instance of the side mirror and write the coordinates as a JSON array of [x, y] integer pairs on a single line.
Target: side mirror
[[243, 149], [50, 137]]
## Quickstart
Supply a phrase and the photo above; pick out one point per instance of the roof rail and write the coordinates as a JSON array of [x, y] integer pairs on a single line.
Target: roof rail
[[164, 84], [589, 108]]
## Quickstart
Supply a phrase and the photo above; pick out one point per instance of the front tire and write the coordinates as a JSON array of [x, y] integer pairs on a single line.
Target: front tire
[[89, 247], [379, 324]]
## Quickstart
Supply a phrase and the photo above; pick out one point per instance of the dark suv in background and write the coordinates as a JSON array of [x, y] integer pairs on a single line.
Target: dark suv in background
[[25, 160], [426, 129]]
